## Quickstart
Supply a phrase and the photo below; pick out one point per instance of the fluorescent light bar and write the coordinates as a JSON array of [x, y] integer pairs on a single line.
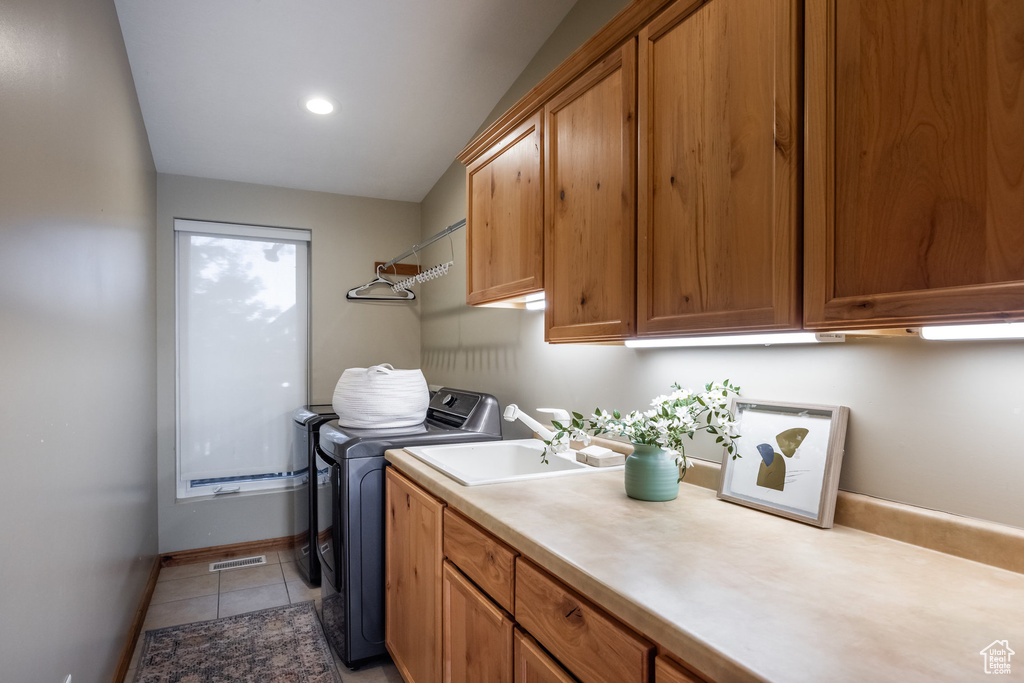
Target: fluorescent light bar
[[536, 296], [739, 340], [968, 332], [536, 305]]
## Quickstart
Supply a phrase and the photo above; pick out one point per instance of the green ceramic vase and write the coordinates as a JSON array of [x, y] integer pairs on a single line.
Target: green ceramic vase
[[651, 474]]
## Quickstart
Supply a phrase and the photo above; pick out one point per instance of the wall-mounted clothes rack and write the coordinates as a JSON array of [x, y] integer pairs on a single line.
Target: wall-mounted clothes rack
[[399, 291]]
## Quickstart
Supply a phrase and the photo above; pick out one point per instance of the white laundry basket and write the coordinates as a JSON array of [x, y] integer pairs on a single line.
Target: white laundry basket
[[381, 397]]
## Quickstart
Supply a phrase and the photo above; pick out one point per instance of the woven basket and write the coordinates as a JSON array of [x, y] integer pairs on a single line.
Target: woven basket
[[381, 397]]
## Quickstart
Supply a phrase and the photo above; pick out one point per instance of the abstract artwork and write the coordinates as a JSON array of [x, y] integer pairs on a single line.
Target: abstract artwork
[[787, 460]]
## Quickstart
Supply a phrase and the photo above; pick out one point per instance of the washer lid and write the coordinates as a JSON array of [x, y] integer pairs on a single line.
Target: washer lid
[[308, 414]]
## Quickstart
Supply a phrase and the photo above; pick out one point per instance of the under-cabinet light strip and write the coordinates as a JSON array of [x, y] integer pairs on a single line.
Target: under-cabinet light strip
[[739, 340], [973, 332]]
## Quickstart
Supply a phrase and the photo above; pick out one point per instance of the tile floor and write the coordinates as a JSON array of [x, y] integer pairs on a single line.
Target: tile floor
[[190, 592]]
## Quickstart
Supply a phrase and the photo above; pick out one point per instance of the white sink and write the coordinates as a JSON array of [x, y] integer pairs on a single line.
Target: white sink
[[492, 462]]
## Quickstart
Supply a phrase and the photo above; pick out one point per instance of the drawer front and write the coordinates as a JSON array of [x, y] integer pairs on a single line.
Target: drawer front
[[483, 558], [594, 647], [667, 672], [533, 665]]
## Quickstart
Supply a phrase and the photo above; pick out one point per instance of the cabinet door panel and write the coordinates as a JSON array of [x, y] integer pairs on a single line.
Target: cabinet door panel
[[505, 231], [718, 174], [590, 231], [667, 672], [533, 665], [412, 579], [477, 634], [915, 160]]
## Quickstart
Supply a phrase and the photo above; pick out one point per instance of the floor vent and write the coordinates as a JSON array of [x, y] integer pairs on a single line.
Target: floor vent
[[238, 564]]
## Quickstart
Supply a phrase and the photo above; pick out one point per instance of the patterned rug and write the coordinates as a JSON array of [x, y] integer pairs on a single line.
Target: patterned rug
[[280, 644]]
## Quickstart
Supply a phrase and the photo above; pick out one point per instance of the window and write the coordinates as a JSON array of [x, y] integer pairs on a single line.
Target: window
[[242, 355]]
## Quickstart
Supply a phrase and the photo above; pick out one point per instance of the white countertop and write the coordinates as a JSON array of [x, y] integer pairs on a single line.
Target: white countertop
[[744, 595]]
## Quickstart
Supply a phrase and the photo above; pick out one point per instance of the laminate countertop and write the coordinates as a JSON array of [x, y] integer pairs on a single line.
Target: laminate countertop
[[743, 595]]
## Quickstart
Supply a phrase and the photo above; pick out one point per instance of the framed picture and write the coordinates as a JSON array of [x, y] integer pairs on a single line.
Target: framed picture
[[787, 459]]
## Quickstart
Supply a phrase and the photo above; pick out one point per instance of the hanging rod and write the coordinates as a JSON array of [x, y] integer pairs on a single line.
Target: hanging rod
[[416, 247]]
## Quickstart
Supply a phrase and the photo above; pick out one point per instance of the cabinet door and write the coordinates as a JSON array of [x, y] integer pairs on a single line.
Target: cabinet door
[[667, 672], [590, 231], [477, 634], [915, 162], [412, 579], [718, 190], [505, 217], [533, 665]]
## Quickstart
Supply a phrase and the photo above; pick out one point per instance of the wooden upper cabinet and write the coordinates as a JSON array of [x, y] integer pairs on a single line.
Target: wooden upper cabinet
[[915, 162], [719, 168], [505, 227], [590, 230], [412, 578]]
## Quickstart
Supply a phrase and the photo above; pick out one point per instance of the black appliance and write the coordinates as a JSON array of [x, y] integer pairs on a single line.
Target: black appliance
[[308, 421], [351, 529]]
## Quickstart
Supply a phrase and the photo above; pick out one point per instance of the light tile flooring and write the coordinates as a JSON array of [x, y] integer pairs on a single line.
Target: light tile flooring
[[191, 592]]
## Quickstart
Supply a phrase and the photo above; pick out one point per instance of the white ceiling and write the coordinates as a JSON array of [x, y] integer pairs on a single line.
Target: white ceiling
[[220, 84]]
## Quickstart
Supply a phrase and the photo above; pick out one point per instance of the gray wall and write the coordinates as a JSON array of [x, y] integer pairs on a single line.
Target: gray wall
[[934, 425], [348, 235], [77, 338]]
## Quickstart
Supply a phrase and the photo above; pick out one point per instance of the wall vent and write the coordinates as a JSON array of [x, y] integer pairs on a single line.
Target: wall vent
[[238, 564]]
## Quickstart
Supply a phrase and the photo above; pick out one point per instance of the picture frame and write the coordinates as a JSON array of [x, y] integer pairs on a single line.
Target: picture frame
[[802, 481]]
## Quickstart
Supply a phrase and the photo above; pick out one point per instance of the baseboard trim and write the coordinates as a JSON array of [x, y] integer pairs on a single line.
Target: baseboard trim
[[136, 627], [221, 552]]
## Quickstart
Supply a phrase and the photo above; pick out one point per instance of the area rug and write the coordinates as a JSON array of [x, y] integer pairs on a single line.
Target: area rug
[[280, 644]]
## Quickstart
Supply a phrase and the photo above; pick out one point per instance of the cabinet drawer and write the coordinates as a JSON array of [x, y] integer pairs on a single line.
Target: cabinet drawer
[[483, 558], [596, 648]]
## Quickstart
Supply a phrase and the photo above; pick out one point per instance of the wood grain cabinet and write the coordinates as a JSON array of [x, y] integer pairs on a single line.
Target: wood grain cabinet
[[477, 633], [590, 215], [412, 579], [719, 168], [595, 647], [665, 671], [445, 620], [505, 217], [915, 162], [534, 665]]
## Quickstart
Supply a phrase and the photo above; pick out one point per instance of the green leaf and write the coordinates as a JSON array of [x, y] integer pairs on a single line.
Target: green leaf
[[578, 416]]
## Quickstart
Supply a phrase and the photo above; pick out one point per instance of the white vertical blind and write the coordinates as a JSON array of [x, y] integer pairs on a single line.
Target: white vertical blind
[[242, 313]]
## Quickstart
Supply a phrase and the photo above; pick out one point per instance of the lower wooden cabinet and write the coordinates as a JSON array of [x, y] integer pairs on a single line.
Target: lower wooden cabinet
[[596, 648], [667, 672], [412, 579], [477, 634], [445, 623], [533, 665]]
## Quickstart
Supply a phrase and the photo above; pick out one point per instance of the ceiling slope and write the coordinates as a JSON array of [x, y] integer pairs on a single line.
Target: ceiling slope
[[221, 84]]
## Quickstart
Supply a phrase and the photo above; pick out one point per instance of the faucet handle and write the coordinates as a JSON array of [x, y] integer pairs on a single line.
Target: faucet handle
[[557, 414]]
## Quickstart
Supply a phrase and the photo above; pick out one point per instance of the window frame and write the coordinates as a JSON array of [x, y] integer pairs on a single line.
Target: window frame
[[184, 490]]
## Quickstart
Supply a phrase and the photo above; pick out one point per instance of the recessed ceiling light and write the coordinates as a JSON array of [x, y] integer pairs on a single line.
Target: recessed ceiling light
[[319, 105]]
